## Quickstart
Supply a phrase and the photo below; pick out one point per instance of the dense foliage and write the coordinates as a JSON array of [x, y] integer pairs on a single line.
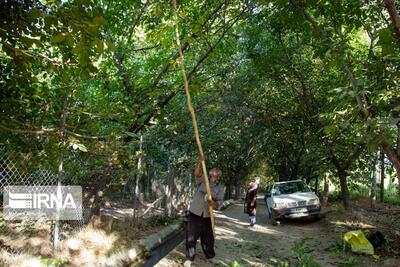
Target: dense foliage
[[289, 89]]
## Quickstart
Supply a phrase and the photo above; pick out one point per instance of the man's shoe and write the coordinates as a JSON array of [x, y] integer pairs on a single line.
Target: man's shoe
[[188, 263]]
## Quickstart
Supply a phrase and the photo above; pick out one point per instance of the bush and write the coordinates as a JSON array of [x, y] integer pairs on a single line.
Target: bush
[[335, 197], [163, 220], [392, 196]]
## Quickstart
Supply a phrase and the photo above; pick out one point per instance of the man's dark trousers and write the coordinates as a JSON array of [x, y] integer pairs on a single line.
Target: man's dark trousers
[[199, 227]]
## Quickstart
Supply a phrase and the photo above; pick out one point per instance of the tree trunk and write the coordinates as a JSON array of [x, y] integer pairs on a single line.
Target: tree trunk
[[190, 183], [344, 189], [286, 169], [373, 184], [229, 187], [398, 155], [293, 170], [382, 193], [316, 184], [57, 226], [393, 158], [94, 198], [394, 16], [325, 196], [170, 190], [148, 183], [237, 191], [136, 199]]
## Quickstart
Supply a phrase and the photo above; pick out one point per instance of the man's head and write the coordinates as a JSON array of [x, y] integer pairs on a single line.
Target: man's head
[[214, 174]]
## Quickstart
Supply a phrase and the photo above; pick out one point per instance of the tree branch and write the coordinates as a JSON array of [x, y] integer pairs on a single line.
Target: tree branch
[[43, 131], [53, 132], [138, 127], [314, 24], [354, 157], [391, 153], [394, 16], [346, 69]]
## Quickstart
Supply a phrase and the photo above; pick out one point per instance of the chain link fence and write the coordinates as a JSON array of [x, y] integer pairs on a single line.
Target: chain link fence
[[17, 169], [108, 190], [29, 237]]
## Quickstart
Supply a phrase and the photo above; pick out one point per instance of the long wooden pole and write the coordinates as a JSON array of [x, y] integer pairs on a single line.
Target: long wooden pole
[[193, 115]]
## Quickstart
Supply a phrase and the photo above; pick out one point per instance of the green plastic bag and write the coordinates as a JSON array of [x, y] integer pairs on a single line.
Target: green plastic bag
[[358, 242]]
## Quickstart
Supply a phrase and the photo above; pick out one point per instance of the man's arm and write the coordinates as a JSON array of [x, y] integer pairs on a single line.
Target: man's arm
[[198, 171], [218, 199]]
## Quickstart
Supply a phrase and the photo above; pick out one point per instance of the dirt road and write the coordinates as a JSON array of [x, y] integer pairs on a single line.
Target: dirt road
[[267, 245]]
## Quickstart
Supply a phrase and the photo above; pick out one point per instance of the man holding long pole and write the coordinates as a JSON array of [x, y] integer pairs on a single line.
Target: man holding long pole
[[201, 217], [199, 221]]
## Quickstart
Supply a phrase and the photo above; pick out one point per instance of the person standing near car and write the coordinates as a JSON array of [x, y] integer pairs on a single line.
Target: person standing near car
[[199, 222], [251, 200]]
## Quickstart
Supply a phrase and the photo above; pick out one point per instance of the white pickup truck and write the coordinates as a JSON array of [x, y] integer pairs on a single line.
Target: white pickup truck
[[291, 199]]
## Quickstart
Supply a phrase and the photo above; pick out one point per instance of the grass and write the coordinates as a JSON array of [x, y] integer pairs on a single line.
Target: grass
[[303, 257], [235, 263], [28, 227], [350, 261], [339, 246], [53, 262], [391, 195], [279, 263], [256, 251], [163, 220], [302, 252], [392, 199]]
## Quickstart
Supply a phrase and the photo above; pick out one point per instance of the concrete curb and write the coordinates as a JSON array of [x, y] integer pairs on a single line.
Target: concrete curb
[[154, 240], [140, 250]]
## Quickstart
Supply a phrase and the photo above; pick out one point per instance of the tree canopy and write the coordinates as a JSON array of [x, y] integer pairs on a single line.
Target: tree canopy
[[293, 89]]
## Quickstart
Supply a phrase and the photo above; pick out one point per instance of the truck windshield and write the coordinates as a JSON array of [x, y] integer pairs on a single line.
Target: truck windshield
[[290, 188]]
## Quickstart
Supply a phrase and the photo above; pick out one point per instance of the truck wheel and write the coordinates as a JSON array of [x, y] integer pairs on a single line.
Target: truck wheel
[[317, 217]]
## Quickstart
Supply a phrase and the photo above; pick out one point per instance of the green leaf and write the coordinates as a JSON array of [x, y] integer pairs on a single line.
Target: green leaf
[[83, 58], [130, 134], [82, 148], [27, 41], [386, 41], [99, 20], [70, 39], [83, 2], [84, 75], [99, 46], [48, 21], [111, 46], [57, 38], [330, 129], [79, 48], [33, 14]]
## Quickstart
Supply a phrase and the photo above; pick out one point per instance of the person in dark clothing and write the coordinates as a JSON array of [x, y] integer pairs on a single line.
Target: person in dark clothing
[[251, 200], [199, 222]]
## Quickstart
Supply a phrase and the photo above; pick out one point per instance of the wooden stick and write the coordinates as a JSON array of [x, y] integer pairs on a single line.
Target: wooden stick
[[193, 115]]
